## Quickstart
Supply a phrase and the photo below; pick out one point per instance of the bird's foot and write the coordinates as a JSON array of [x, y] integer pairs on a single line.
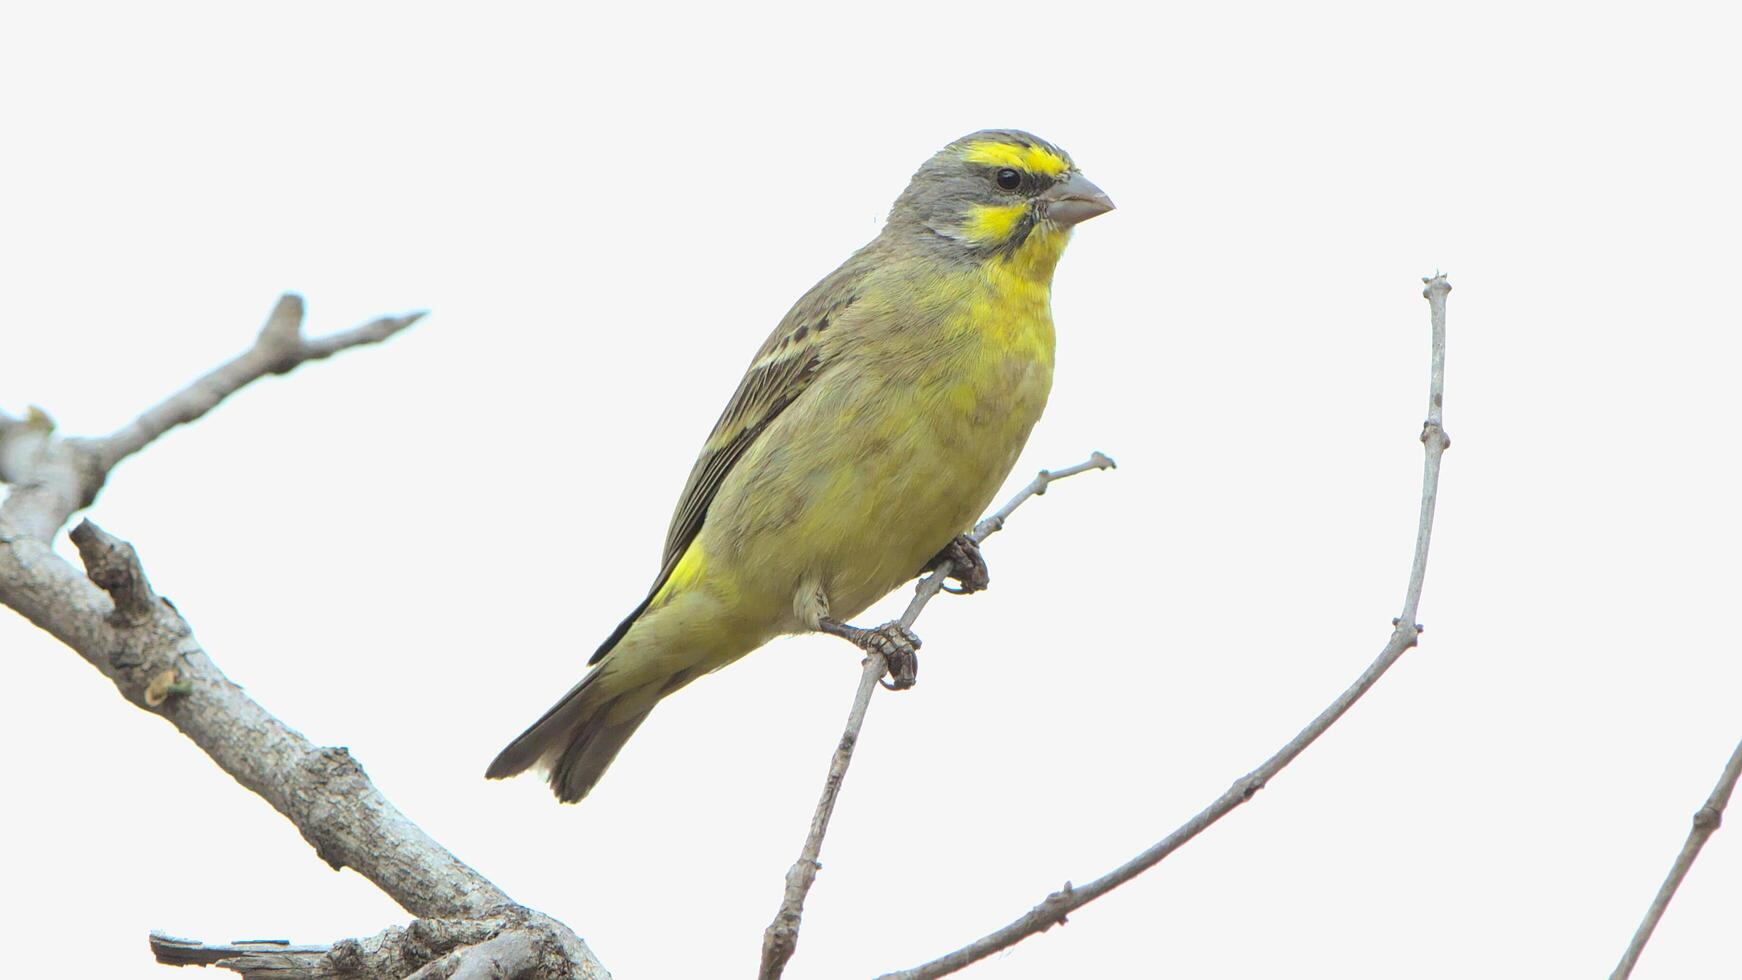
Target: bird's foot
[[967, 565], [898, 645]]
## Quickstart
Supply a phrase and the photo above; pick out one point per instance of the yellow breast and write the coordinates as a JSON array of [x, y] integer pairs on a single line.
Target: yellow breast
[[954, 431], [1007, 323], [895, 451]]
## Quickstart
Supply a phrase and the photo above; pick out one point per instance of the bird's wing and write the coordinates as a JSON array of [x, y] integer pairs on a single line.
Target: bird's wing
[[790, 359]]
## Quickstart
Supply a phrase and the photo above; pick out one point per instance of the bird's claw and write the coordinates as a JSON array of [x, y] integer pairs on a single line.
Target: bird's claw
[[900, 648], [967, 565], [898, 645]]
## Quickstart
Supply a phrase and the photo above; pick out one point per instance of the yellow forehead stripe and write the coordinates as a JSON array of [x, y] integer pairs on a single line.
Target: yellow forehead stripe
[[1034, 159], [992, 222]]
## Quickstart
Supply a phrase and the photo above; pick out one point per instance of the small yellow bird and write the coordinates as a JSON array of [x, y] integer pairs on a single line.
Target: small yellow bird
[[872, 428]]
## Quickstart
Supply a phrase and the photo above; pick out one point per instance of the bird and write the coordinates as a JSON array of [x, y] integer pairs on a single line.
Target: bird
[[872, 427]]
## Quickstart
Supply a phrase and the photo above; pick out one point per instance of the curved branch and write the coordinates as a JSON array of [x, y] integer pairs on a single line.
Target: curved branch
[[52, 477], [112, 618], [1053, 910], [780, 939], [1707, 819], [156, 663], [279, 349], [321, 789]]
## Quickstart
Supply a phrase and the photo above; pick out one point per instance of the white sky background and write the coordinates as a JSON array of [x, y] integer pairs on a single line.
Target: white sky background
[[411, 550]]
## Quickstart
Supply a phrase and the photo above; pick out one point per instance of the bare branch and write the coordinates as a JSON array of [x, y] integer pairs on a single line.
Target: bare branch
[[279, 349], [53, 477], [516, 944], [322, 790], [511, 954], [1707, 819], [932, 584], [112, 618], [159, 666], [1059, 904], [249, 957], [391, 953], [780, 939]]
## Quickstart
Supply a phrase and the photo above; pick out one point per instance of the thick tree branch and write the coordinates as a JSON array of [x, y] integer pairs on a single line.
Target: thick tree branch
[[1707, 819], [52, 477], [780, 939], [112, 618], [159, 666], [1059, 904], [511, 954]]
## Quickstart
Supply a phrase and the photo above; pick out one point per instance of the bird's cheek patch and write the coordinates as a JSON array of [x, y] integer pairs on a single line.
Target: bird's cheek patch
[[992, 223]]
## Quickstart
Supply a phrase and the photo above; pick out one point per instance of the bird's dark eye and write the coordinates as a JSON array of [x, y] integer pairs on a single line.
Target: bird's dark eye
[[1009, 179]]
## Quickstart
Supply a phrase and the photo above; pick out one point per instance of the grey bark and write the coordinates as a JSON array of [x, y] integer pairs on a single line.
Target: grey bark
[[1707, 819], [110, 616]]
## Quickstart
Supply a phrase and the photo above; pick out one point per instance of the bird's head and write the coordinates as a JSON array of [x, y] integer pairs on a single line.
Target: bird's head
[[998, 193]]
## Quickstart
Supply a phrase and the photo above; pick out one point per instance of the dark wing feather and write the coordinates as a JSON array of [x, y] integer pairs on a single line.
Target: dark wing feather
[[791, 358]]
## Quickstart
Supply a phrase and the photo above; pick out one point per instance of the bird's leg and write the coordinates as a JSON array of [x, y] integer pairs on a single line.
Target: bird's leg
[[898, 644], [967, 565]]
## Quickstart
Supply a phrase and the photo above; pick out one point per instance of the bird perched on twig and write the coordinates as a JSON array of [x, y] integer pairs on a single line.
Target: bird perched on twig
[[871, 429]]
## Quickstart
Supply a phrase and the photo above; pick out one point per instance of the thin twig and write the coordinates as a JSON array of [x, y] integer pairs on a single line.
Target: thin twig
[[932, 584], [279, 349], [1706, 821], [1059, 904], [781, 938]]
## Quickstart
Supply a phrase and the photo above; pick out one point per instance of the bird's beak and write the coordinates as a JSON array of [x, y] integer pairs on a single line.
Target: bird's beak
[[1075, 200]]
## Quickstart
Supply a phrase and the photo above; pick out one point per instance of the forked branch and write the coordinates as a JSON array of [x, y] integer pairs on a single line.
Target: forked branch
[[110, 616]]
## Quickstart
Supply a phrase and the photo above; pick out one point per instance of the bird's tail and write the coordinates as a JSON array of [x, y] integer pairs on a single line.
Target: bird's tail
[[579, 736]]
